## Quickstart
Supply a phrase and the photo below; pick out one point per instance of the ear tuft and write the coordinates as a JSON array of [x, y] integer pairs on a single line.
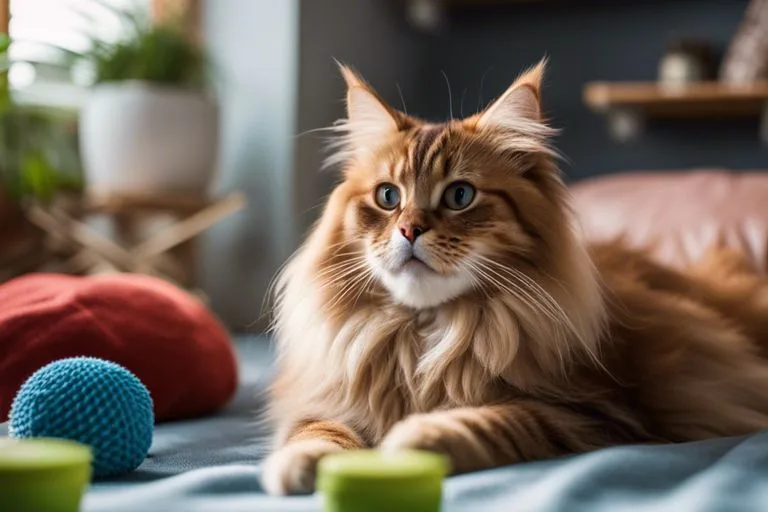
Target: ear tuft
[[533, 76], [520, 104], [369, 119], [350, 77]]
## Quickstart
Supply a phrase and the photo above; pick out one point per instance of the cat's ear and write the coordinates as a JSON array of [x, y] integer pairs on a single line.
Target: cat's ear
[[520, 106], [369, 118]]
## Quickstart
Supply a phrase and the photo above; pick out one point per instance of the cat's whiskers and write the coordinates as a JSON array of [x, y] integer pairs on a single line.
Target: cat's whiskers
[[364, 288], [477, 283], [343, 244], [516, 289], [355, 252], [558, 309], [526, 300], [356, 256], [341, 275], [275, 282], [531, 285], [545, 302], [348, 288], [329, 269]]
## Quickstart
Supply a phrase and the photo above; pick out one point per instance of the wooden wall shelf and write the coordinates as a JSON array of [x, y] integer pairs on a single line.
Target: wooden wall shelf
[[704, 98], [627, 104]]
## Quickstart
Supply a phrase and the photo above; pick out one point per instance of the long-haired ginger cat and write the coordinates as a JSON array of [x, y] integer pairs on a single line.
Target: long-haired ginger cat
[[446, 302]]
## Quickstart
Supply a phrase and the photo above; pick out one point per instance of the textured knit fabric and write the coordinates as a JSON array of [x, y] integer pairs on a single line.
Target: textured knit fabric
[[92, 401]]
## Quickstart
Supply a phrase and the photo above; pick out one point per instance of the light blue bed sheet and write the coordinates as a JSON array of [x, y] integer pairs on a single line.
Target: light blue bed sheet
[[213, 464]]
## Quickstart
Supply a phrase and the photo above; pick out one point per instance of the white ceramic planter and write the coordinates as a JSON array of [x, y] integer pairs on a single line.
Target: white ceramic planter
[[139, 138]]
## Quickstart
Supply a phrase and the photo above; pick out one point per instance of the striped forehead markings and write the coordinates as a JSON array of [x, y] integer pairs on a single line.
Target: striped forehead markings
[[429, 141]]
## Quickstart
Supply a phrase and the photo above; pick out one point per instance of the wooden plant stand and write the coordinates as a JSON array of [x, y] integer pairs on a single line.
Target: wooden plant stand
[[150, 234]]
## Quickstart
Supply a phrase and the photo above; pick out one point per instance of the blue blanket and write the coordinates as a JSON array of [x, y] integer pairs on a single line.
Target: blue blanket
[[213, 464]]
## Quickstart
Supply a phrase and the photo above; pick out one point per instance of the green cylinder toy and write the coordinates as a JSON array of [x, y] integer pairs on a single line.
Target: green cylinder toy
[[43, 475], [373, 481]]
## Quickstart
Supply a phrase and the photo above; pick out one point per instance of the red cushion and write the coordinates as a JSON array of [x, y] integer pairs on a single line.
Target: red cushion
[[159, 332]]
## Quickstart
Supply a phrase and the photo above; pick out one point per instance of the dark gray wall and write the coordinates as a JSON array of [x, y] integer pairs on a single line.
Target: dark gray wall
[[372, 37], [586, 41]]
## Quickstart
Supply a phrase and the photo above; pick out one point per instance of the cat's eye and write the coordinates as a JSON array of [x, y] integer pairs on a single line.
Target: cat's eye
[[387, 196], [458, 195]]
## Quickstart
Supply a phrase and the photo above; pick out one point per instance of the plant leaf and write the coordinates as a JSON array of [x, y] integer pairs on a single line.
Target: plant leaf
[[5, 42]]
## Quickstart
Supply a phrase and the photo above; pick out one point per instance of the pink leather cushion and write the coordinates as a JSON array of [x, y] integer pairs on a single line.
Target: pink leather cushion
[[680, 213]]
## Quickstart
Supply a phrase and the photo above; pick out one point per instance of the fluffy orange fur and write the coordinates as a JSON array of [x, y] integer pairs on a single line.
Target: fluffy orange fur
[[446, 301]]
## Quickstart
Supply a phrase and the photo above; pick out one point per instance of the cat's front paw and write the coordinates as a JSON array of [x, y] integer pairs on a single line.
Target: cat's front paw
[[416, 432], [292, 469], [445, 432]]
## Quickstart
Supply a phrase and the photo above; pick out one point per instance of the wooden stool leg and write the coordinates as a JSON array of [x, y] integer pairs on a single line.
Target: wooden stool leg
[[191, 226], [185, 256]]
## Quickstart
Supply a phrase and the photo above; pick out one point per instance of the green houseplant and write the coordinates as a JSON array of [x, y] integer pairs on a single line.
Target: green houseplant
[[38, 158], [38, 146], [150, 125]]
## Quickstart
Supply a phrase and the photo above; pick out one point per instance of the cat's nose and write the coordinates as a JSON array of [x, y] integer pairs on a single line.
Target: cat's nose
[[412, 231]]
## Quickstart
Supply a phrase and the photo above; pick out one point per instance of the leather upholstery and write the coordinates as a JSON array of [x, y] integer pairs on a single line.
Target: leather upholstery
[[679, 214]]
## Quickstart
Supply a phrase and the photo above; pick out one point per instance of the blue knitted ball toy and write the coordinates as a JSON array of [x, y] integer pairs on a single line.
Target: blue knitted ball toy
[[92, 401]]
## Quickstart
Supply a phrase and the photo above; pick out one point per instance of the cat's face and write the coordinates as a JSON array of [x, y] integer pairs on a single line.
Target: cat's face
[[438, 210], [430, 211]]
